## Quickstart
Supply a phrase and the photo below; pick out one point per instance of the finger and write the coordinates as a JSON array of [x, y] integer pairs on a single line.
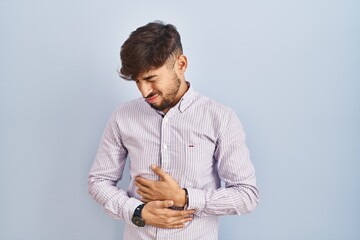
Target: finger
[[175, 214], [144, 182], [180, 220], [189, 219], [159, 172], [179, 226], [184, 213], [144, 189], [188, 212], [167, 226], [145, 200], [179, 214], [179, 223], [145, 195]]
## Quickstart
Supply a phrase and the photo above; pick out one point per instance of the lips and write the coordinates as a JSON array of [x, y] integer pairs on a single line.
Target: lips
[[152, 98]]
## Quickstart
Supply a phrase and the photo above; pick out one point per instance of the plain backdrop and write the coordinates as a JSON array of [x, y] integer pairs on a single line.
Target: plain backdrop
[[290, 69]]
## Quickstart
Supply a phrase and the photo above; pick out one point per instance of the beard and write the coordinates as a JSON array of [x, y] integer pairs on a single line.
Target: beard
[[168, 98]]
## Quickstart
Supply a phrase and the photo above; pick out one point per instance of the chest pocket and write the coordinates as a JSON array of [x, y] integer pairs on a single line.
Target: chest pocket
[[199, 161]]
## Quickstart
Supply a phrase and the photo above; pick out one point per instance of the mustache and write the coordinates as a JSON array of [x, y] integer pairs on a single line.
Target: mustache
[[152, 94]]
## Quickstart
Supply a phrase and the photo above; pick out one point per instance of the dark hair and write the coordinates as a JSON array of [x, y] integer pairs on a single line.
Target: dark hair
[[147, 48]]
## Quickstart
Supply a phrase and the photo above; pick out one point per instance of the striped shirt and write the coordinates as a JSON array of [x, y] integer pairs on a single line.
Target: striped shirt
[[199, 143]]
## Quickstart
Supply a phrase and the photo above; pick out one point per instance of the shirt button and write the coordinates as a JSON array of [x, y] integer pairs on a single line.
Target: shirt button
[[165, 146], [166, 120]]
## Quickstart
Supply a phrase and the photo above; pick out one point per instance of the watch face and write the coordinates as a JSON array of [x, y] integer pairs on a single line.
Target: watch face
[[138, 221]]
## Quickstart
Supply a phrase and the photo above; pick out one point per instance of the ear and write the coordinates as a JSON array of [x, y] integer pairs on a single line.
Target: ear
[[181, 64]]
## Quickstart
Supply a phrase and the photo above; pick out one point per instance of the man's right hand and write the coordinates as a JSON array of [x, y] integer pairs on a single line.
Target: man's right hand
[[158, 214]]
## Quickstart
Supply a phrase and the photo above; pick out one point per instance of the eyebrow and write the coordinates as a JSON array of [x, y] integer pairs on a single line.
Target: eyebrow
[[149, 77]]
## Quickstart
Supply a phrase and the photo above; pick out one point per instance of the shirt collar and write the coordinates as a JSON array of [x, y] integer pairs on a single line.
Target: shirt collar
[[187, 98]]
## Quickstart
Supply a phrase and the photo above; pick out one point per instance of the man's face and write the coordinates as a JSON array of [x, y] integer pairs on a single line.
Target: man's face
[[160, 87]]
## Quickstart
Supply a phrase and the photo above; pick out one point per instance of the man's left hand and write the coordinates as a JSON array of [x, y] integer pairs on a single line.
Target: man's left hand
[[164, 189]]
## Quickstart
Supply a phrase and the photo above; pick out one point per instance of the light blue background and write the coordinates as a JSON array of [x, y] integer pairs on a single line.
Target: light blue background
[[290, 69]]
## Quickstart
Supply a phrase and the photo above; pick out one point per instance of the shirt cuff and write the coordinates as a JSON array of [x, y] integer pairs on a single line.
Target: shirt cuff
[[128, 211], [196, 199]]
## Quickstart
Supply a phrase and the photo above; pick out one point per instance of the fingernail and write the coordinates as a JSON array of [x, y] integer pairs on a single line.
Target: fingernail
[[153, 166]]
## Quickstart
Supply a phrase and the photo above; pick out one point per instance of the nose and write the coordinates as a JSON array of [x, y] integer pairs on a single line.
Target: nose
[[145, 88]]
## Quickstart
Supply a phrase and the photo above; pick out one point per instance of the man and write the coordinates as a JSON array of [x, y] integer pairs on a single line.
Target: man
[[180, 144]]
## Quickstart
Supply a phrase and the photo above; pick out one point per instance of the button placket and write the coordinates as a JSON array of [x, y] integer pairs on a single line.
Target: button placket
[[165, 141]]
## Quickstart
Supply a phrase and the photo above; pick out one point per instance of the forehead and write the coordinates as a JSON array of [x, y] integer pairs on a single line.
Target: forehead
[[167, 67]]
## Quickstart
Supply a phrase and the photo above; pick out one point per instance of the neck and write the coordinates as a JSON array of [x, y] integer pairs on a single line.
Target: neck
[[182, 90]]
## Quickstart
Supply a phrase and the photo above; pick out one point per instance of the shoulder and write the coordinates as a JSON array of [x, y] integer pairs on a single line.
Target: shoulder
[[134, 106], [211, 107], [130, 110], [131, 105], [206, 111], [224, 119]]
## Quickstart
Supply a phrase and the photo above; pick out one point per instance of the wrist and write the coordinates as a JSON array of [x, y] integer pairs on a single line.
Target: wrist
[[182, 199], [137, 216]]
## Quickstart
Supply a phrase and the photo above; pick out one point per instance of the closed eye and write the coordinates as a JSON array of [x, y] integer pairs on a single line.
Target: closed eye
[[150, 78]]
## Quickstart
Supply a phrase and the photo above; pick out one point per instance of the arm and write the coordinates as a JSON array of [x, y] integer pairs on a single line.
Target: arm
[[234, 168], [107, 170]]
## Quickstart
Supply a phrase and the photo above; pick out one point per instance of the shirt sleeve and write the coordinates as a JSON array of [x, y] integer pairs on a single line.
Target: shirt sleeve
[[235, 169], [107, 170]]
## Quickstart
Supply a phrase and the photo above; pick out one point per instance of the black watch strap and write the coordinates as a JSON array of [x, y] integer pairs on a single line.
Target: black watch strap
[[137, 219], [186, 199]]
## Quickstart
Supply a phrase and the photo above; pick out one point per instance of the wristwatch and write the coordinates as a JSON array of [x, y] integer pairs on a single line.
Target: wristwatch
[[137, 219]]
